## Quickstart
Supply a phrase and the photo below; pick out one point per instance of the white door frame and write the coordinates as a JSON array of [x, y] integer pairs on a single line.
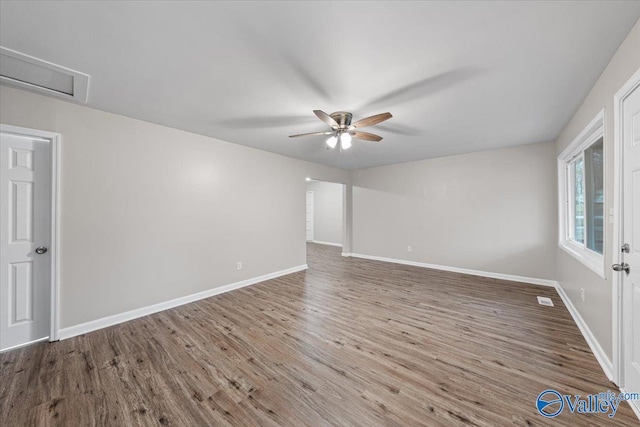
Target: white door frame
[[616, 281], [55, 140], [313, 214]]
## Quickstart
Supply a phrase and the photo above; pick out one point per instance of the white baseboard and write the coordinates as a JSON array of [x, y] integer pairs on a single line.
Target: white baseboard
[[345, 254], [595, 346], [104, 322], [510, 277], [326, 243]]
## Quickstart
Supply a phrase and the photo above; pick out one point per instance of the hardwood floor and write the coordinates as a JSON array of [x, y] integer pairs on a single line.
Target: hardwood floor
[[348, 342]]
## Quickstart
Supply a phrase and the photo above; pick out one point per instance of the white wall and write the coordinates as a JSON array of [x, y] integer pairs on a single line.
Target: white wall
[[596, 310], [491, 211], [151, 213], [327, 219]]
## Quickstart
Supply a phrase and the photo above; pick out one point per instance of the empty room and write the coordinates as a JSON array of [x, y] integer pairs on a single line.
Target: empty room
[[308, 213]]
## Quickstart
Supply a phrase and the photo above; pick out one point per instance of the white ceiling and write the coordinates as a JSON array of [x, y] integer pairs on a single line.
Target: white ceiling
[[457, 76]]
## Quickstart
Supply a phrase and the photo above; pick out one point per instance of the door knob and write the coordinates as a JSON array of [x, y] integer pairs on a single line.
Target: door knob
[[41, 250], [622, 267]]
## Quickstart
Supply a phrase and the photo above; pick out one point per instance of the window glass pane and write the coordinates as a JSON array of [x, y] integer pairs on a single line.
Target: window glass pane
[[578, 200], [594, 195]]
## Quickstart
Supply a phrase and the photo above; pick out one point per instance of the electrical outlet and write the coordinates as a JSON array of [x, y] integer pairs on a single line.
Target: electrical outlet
[[239, 266], [582, 294], [408, 248]]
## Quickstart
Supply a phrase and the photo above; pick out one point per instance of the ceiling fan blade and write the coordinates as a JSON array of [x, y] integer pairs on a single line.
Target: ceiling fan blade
[[326, 118], [310, 134], [370, 121], [366, 136]]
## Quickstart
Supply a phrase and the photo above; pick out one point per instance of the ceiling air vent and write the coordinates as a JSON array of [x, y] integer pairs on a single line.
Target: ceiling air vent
[[26, 72]]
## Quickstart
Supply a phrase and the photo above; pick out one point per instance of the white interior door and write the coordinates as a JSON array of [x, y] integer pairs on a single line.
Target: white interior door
[[631, 236], [309, 216], [25, 218]]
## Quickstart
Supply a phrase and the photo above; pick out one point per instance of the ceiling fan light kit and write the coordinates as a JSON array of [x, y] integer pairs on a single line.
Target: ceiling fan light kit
[[345, 141], [343, 130], [332, 141]]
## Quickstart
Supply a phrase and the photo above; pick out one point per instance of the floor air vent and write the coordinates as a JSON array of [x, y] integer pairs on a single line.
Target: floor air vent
[[545, 301], [26, 72]]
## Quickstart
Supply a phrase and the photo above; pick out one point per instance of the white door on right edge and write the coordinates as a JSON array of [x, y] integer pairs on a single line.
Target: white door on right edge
[[631, 236]]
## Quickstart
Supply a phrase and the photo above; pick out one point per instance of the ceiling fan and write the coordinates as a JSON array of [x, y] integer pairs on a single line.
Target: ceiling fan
[[343, 130]]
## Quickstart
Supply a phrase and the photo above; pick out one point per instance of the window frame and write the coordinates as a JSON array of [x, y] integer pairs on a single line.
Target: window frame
[[566, 225]]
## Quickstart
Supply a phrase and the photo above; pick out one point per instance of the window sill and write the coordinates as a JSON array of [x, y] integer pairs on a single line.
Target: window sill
[[592, 260]]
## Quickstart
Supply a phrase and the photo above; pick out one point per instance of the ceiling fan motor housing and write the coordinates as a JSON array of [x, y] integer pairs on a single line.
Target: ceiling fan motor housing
[[342, 117]]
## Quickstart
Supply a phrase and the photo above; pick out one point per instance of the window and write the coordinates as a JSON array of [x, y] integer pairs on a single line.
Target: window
[[581, 195], [594, 201]]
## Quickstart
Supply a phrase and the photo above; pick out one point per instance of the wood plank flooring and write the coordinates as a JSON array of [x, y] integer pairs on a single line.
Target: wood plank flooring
[[349, 342]]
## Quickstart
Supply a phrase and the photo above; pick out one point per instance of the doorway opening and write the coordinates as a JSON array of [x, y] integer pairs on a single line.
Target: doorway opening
[[325, 214]]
